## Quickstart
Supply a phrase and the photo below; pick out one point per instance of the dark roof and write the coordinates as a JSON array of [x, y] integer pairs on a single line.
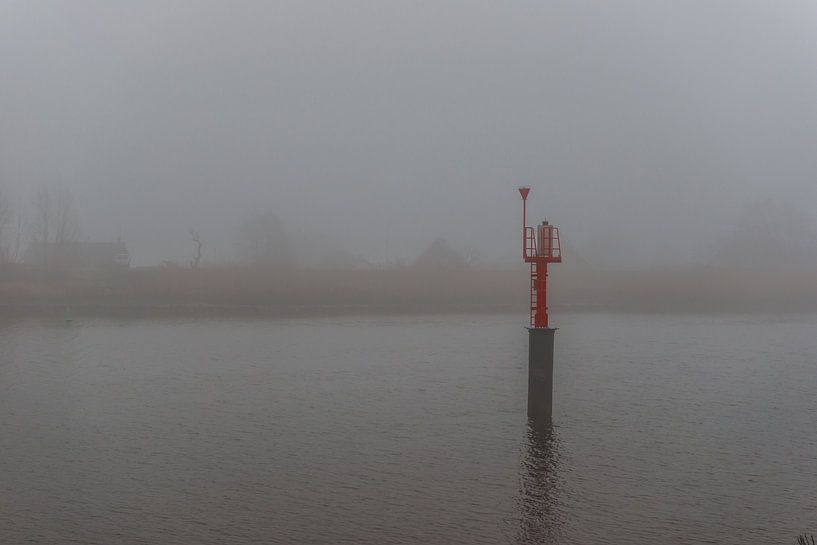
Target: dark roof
[[77, 254], [440, 255]]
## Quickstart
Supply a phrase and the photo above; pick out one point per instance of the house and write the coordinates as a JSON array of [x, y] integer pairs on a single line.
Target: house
[[78, 255], [440, 255]]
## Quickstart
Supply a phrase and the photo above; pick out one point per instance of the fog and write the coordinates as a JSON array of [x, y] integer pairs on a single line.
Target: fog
[[645, 127]]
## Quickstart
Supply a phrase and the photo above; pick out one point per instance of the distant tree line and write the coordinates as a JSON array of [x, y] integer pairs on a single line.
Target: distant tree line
[[260, 240], [50, 222]]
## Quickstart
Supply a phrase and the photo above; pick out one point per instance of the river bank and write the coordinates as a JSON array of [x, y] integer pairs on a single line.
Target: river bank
[[301, 292]]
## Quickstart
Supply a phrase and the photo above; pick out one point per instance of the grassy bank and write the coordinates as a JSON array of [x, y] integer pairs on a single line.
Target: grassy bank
[[412, 290]]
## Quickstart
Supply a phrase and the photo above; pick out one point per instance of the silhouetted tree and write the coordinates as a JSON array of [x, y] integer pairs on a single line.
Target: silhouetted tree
[[261, 240], [42, 220], [194, 236], [472, 256], [18, 235], [65, 218], [5, 219], [54, 223]]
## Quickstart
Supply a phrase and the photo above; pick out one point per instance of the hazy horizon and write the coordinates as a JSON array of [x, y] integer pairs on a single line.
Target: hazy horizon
[[645, 128]]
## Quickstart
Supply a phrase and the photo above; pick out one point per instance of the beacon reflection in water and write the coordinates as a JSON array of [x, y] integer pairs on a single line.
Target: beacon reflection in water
[[538, 487]]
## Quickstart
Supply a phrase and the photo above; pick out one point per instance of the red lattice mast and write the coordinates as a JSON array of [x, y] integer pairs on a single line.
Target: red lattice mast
[[540, 246]]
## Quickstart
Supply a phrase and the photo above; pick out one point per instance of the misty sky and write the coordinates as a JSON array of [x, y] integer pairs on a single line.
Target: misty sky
[[644, 127]]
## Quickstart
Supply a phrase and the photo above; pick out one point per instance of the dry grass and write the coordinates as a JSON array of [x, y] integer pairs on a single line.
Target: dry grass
[[690, 290]]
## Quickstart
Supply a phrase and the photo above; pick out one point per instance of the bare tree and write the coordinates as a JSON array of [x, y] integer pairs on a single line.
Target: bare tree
[[194, 236], [54, 224], [65, 219], [5, 218], [19, 234], [472, 256], [262, 240], [42, 220]]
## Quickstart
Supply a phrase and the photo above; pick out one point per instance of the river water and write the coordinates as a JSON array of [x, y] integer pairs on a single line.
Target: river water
[[410, 429]]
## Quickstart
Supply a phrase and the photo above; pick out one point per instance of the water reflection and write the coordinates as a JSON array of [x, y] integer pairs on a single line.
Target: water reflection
[[538, 488]]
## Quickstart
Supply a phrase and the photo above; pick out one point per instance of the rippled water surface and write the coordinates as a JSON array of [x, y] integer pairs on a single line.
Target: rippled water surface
[[671, 429]]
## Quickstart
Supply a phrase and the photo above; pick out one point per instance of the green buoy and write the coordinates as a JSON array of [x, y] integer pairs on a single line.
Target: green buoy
[[68, 317]]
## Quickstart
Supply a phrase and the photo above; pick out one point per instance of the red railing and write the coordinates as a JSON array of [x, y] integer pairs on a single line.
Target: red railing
[[548, 248], [529, 243], [540, 246], [554, 246]]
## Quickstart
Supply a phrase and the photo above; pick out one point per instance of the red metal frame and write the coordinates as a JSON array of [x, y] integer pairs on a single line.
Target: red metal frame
[[540, 246]]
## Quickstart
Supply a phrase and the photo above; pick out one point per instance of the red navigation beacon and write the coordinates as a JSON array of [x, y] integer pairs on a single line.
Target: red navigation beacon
[[540, 246]]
